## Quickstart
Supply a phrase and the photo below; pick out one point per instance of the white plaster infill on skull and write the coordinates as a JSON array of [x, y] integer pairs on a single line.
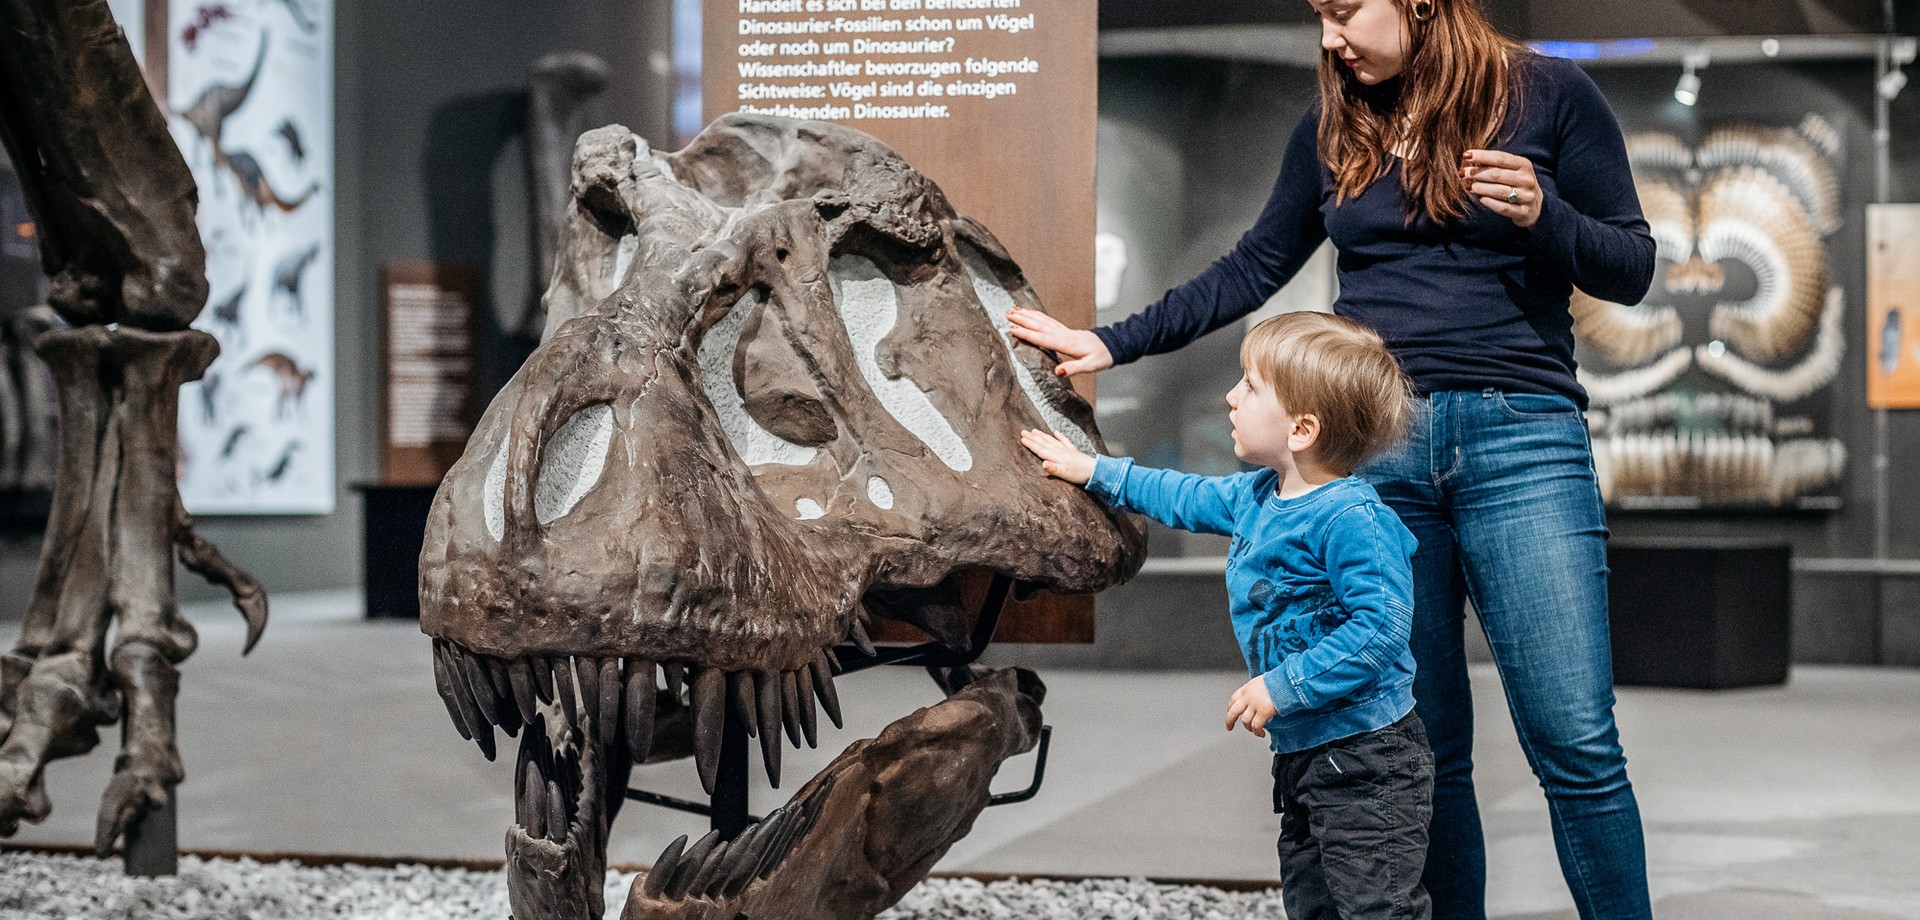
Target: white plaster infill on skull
[[572, 462], [494, 494], [869, 308], [807, 509], [879, 492], [996, 301], [570, 465], [755, 444]]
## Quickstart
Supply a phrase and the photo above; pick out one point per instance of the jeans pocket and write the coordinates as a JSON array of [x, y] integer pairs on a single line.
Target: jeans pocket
[[1536, 405]]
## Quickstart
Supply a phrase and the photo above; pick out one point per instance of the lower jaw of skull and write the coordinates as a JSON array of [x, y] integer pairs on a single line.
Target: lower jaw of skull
[[556, 849]]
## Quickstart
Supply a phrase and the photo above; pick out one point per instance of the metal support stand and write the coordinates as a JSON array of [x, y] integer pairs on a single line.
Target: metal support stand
[[153, 841], [728, 808]]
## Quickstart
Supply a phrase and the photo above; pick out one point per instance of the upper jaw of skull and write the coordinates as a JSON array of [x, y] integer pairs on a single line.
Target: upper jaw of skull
[[718, 460]]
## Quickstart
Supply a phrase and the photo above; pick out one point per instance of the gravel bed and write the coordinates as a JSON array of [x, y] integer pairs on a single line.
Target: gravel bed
[[37, 886]]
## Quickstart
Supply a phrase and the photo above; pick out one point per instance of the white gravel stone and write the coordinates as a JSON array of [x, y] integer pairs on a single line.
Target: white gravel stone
[[39, 887]]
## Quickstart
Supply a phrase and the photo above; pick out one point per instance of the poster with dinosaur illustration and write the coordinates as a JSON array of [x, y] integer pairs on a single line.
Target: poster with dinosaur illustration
[[249, 94]]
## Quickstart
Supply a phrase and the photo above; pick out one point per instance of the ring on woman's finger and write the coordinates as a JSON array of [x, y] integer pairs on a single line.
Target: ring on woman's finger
[[1513, 195]]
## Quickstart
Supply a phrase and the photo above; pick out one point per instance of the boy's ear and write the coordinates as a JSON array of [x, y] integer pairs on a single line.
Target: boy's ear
[[1305, 433]]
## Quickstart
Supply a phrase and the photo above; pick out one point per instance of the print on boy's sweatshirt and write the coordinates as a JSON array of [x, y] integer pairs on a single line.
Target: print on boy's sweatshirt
[[1296, 633]]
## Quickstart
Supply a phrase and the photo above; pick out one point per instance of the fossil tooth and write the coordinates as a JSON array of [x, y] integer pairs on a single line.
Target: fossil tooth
[[533, 802], [740, 688], [790, 709], [770, 857], [822, 670], [563, 688], [857, 634], [803, 701], [689, 867], [708, 876], [481, 731], [768, 685], [520, 679], [709, 723], [542, 669], [586, 679], [609, 720], [656, 880], [444, 683], [521, 766], [736, 870], [478, 684], [676, 674], [556, 813], [640, 702], [497, 675]]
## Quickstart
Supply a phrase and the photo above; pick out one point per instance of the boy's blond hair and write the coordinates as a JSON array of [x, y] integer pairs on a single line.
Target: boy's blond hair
[[1339, 371]]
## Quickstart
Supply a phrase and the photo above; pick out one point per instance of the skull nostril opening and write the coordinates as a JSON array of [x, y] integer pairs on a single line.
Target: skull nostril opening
[[780, 254]]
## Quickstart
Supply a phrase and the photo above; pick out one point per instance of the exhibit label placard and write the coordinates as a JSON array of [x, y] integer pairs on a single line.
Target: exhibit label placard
[[1893, 306], [428, 364], [995, 100]]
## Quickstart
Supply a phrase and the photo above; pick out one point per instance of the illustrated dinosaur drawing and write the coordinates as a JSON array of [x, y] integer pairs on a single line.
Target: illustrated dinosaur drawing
[[295, 147], [210, 398], [226, 315], [203, 19], [209, 113], [278, 469], [290, 378], [286, 278], [259, 192]]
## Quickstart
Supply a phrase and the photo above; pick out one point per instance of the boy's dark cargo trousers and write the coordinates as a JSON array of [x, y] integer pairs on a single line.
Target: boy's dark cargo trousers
[[1353, 826]]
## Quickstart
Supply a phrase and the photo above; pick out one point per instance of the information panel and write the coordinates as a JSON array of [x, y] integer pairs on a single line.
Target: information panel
[[995, 100]]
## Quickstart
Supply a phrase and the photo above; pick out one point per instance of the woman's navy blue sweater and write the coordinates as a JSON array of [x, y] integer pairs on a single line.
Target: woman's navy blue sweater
[[1468, 304]]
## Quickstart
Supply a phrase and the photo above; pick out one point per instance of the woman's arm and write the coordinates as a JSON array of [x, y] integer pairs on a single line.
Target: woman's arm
[[1592, 231], [1290, 228]]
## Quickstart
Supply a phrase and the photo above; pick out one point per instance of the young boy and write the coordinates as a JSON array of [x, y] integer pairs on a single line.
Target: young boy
[[1322, 600]]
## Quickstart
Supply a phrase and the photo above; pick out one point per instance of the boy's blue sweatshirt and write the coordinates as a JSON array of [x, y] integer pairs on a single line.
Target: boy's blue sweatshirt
[[1321, 587]]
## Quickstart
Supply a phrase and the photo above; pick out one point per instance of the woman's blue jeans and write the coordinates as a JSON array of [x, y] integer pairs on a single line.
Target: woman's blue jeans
[[1500, 491]]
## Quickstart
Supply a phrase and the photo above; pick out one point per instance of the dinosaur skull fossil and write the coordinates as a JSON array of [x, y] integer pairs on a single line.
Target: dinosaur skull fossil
[[775, 395]]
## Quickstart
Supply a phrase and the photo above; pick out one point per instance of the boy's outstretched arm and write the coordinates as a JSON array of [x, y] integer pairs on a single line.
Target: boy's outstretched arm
[[1058, 456]]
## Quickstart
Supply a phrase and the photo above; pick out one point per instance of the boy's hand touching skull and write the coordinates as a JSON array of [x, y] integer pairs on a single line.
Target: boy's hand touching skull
[[1058, 456]]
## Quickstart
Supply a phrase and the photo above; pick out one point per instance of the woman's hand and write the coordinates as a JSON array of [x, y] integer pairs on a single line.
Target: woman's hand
[[1504, 183], [1081, 352], [1058, 456]]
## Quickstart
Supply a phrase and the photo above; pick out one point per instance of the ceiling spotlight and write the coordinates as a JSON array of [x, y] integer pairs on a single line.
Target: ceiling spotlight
[[1894, 80], [1891, 83], [1687, 91]]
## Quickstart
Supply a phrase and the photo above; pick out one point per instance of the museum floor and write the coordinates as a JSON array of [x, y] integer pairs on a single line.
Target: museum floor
[[1789, 803]]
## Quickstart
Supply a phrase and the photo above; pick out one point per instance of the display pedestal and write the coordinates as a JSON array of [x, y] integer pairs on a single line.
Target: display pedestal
[[1702, 613], [393, 527]]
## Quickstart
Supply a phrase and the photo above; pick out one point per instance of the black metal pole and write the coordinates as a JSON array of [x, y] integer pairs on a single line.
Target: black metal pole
[[729, 813]]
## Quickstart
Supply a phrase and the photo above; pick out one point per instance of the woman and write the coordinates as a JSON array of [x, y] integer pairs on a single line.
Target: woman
[[1468, 185]]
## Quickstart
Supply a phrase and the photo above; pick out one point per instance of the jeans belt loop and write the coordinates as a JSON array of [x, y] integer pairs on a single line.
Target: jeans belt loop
[[1486, 393]]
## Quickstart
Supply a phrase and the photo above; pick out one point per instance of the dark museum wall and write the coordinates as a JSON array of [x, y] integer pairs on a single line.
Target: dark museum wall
[[429, 169]]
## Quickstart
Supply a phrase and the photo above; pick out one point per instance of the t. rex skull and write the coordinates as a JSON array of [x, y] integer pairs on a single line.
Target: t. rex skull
[[776, 394]]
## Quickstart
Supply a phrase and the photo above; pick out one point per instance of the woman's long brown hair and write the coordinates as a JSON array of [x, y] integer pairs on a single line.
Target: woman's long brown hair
[[1455, 90]]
